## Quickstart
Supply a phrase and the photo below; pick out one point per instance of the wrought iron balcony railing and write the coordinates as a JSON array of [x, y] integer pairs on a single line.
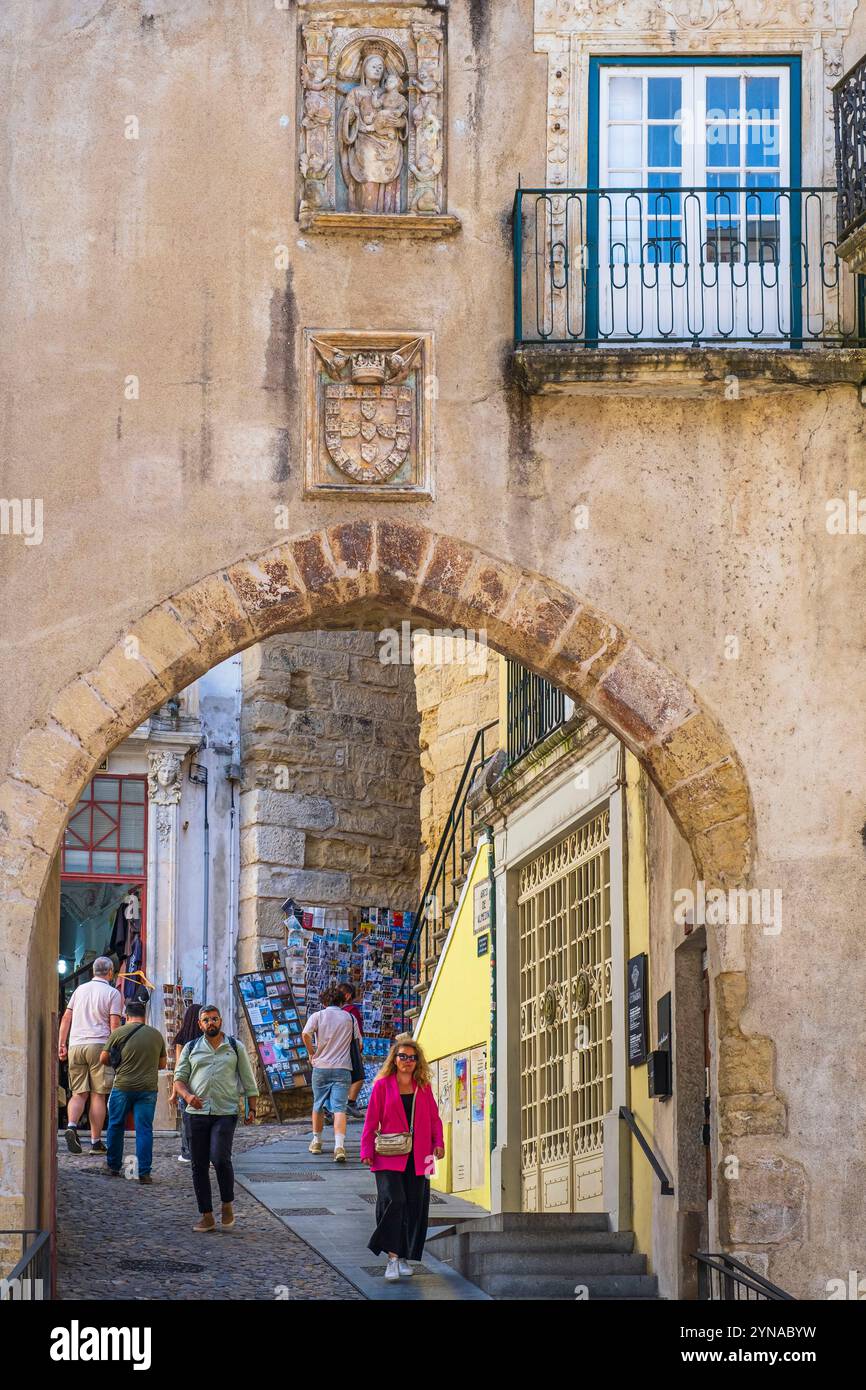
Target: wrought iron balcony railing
[[849, 113], [535, 709], [597, 267]]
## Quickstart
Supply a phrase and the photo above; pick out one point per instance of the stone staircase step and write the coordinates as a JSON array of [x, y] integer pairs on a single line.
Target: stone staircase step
[[484, 1263], [556, 1242], [557, 1286], [542, 1221]]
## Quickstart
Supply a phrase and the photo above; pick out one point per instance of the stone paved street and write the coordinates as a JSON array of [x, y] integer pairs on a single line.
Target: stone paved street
[[118, 1239], [332, 1206]]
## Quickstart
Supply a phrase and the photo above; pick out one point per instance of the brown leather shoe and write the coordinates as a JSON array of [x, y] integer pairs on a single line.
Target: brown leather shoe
[[205, 1222], [227, 1215]]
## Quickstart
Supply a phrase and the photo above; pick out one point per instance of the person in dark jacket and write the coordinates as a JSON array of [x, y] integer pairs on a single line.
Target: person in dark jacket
[[187, 1033], [350, 1007]]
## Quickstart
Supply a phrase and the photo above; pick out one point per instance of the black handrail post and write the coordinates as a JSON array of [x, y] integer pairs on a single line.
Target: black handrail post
[[626, 1115]]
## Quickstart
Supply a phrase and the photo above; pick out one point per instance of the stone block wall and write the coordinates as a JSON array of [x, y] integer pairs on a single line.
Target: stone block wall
[[331, 780]]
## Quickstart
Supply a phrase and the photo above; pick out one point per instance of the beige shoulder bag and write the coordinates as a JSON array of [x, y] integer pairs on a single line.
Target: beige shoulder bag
[[393, 1145]]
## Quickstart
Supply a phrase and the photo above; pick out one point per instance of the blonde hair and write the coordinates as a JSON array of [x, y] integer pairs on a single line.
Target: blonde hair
[[389, 1066]]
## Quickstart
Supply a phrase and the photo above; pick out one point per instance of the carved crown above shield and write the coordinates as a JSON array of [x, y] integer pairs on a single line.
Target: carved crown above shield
[[368, 413]]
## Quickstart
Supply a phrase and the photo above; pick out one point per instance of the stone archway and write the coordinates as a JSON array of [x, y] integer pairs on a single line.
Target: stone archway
[[360, 574]]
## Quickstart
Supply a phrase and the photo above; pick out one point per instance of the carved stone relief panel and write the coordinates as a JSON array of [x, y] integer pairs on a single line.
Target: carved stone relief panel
[[368, 413], [371, 117]]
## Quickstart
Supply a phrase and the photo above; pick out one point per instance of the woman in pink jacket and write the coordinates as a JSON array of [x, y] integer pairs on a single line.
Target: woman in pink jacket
[[403, 1181]]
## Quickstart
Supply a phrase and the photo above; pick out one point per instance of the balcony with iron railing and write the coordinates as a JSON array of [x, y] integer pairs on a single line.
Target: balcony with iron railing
[[666, 290], [849, 115], [535, 709]]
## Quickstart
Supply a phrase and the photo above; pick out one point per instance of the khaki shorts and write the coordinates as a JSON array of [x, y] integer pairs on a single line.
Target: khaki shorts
[[86, 1072]]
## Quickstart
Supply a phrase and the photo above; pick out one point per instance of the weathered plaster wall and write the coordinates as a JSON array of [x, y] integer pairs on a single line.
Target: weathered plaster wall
[[155, 258]]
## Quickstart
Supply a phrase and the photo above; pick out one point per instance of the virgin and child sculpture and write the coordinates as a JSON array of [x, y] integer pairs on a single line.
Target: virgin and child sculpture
[[371, 135]]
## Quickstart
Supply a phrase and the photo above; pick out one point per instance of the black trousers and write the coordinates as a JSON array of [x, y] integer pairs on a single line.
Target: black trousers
[[402, 1210], [210, 1142]]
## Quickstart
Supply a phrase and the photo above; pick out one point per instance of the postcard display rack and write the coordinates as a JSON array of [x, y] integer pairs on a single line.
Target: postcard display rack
[[331, 950], [275, 1023]]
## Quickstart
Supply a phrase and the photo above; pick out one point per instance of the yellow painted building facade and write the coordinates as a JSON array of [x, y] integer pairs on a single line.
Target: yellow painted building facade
[[454, 1029]]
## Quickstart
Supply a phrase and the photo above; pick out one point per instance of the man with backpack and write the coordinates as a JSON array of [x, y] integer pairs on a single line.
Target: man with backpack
[[136, 1052], [210, 1075]]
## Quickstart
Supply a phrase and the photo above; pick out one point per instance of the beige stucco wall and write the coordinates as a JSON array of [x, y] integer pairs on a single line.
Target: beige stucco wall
[[454, 700], [155, 258]]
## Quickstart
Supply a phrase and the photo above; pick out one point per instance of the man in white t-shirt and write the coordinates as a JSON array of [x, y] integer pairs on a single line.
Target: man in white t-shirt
[[328, 1035], [93, 1013]]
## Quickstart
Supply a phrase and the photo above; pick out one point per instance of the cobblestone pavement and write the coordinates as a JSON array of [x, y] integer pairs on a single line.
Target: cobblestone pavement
[[118, 1239]]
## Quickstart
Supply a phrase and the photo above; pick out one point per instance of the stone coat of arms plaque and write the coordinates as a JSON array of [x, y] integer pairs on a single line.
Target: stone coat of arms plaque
[[368, 426]]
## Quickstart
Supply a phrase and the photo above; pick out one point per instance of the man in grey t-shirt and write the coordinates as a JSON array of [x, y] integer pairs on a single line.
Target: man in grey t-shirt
[[328, 1035]]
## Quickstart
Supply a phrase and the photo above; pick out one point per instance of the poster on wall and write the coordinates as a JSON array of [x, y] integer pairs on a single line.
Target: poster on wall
[[461, 1137], [445, 1091], [477, 1113], [461, 1081], [478, 1083]]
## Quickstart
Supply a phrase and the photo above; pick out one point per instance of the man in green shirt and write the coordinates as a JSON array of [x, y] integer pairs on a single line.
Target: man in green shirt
[[211, 1073], [136, 1082]]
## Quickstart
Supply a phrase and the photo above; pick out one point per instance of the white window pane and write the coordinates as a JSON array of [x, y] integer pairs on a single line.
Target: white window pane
[[624, 147], [624, 98]]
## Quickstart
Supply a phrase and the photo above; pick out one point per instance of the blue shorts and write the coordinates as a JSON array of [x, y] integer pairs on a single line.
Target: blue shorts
[[331, 1088]]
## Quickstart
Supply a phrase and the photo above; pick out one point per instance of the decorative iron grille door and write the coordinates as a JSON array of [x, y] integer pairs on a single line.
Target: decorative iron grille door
[[566, 1020]]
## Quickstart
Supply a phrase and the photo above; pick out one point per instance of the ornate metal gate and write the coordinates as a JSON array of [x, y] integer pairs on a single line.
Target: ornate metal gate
[[566, 1018]]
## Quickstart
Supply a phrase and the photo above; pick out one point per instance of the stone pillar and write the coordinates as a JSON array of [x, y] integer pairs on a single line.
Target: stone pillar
[[164, 786], [331, 780]]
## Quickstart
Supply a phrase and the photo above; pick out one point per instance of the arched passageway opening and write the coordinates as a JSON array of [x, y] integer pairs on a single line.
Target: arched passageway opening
[[353, 575]]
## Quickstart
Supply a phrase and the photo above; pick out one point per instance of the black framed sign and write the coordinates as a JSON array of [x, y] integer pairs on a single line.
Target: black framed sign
[[638, 1039]]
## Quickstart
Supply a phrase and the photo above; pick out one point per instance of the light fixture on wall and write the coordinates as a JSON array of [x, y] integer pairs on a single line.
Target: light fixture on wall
[[62, 966]]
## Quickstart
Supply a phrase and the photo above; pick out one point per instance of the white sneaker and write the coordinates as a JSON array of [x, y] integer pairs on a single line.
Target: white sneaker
[[316, 1146], [182, 1158], [393, 1271], [405, 1269]]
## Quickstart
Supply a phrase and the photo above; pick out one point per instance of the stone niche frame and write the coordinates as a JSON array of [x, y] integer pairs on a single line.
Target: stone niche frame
[[572, 31], [388, 375], [412, 37], [569, 31]]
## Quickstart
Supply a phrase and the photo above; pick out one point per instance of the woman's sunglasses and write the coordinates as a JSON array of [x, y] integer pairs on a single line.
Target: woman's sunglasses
[[406, 1057]]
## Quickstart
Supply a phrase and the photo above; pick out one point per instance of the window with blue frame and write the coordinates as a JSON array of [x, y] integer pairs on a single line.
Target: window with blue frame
[[694, 161]]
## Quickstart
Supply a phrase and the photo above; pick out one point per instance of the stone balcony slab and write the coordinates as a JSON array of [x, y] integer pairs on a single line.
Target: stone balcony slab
[[548, 369]]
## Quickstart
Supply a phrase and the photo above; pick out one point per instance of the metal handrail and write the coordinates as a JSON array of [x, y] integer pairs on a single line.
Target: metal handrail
[[627, 1115], [454, 823], [535, 709], [849, 118], [34, 1258], [613, 267], [734, 1276]]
